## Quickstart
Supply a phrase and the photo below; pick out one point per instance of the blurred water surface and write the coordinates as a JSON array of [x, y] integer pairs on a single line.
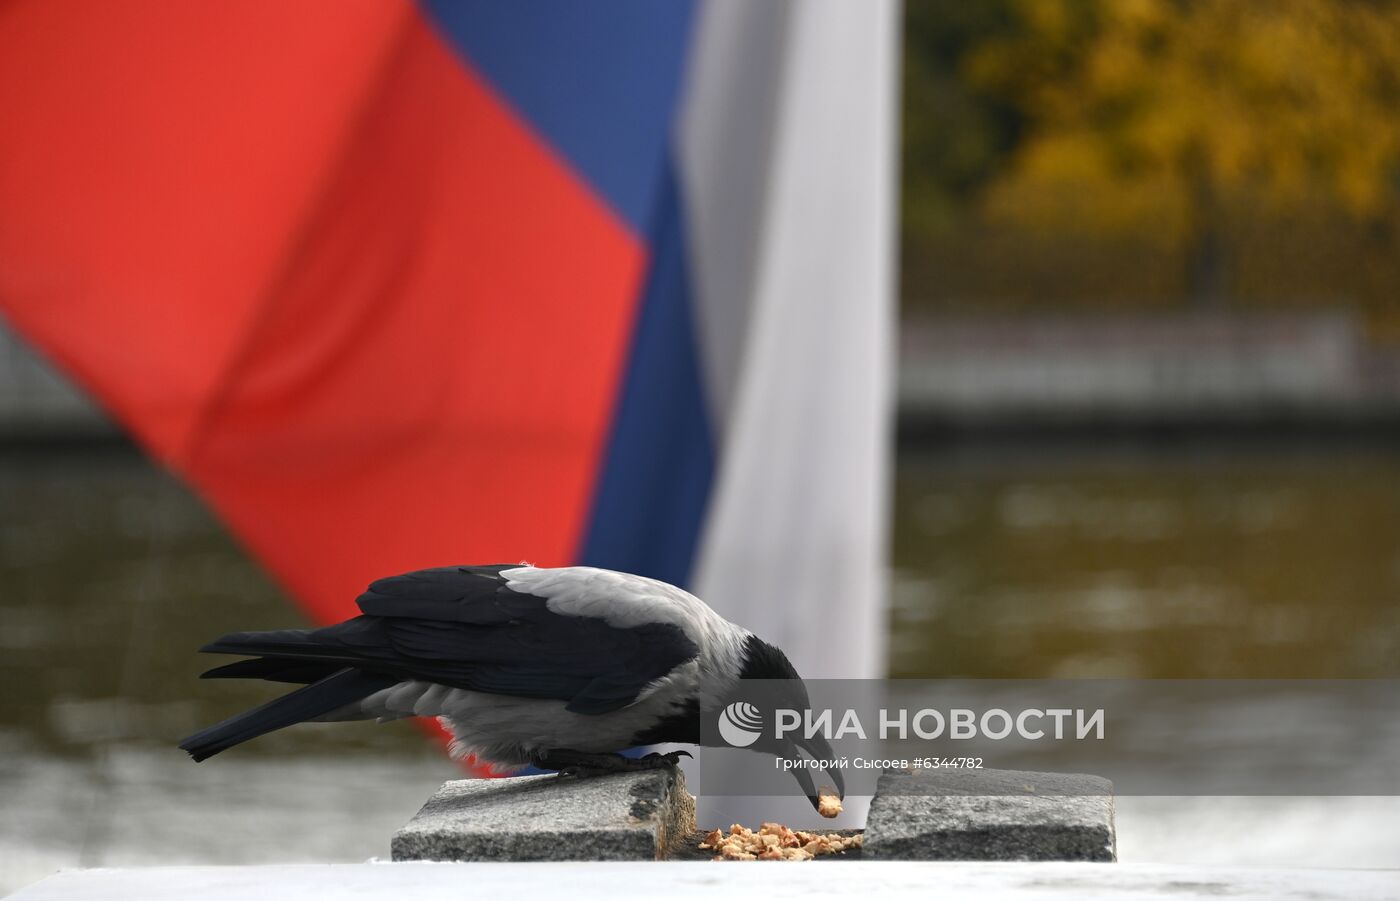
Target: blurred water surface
[[1176, 562], [111, 576], [1224, 562]]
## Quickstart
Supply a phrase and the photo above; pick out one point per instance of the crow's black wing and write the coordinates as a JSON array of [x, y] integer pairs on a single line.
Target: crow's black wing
[[472, 594], [462, 627]]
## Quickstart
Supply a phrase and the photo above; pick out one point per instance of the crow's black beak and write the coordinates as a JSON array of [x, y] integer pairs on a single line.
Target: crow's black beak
[[819, 749]]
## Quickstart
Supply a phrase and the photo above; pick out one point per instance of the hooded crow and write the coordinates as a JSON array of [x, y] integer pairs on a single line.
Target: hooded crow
[[555, 668]]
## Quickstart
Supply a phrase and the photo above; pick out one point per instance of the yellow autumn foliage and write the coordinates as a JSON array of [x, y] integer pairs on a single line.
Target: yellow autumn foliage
[[1153, 115]]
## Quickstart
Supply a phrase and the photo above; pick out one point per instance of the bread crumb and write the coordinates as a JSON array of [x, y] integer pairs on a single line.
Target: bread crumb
[[828, 804], [774, 841]]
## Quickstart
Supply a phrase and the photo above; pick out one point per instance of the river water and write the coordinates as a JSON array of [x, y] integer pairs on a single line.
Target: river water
[[1213, 562]]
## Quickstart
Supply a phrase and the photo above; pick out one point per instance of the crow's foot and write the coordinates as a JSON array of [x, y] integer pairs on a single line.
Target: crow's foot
[[663, 760], [584, 764]]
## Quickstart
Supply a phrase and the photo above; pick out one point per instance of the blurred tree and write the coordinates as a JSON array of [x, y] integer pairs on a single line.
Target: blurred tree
[[957, 134], [1165, 115]]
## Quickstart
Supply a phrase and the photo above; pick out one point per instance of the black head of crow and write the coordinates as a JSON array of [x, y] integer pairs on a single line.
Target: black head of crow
[[555, 668]]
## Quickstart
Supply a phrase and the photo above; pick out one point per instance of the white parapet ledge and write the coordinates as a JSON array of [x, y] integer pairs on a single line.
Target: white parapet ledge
[[619, 881]]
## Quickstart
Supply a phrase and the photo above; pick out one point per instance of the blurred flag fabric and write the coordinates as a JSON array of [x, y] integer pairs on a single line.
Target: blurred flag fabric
[[397, 284]]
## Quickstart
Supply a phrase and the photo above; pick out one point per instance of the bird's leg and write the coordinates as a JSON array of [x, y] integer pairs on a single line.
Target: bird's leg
[[580, 763], [672, 758], [585, 763]]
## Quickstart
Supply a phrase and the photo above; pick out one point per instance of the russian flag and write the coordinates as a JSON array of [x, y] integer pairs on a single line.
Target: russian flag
[[397, 284]]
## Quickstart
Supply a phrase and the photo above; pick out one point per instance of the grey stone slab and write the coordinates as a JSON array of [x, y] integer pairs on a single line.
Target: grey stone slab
[[627, 816], [991, 815]]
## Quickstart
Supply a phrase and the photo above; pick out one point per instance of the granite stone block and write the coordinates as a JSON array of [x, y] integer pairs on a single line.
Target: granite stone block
[[623, 816], [991, 815]]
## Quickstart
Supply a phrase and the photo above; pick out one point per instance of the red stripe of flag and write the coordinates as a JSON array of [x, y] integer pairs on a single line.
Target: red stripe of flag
[[313, 262]]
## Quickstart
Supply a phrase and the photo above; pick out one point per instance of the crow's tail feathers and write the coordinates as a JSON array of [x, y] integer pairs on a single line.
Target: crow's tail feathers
[[275, 669], [343, 687]]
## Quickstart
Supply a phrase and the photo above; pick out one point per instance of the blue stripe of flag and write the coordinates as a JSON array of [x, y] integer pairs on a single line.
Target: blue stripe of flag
[[655, 483], [599, 80]]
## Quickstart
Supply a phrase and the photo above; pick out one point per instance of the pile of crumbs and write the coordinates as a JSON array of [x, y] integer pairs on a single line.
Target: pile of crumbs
[[775, 842]]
